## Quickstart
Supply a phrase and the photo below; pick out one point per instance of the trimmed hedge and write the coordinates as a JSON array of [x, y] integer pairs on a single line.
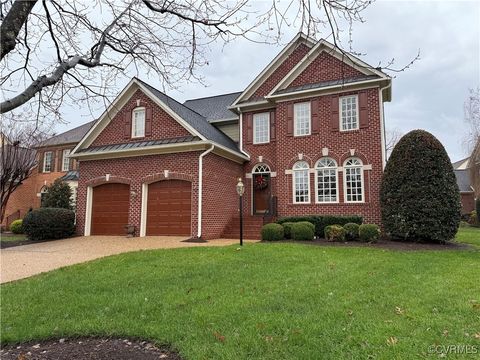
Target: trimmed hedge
[[272, 232], [334, 233], [287, 229], [321, 221], [351, 231], [16, 226], [369, 233], [303, 230], [49, 223]]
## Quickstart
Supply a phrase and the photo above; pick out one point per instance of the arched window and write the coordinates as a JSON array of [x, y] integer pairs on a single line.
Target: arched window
[[261, 169], [326, 180], [353, 168], [301, 183], [43, 193]]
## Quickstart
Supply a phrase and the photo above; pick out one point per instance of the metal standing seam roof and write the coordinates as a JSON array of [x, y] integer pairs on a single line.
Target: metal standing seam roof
[[463, 180], [68, 137], [214, 108], [72, 175], [194, 119]]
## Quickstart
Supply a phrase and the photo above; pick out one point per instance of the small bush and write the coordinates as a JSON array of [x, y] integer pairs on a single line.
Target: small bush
[[369, 233], [287, 229], [49, 223], [272, 232], [335, 233], [351, 231], [303, 230], [16, 226], [320, 221]]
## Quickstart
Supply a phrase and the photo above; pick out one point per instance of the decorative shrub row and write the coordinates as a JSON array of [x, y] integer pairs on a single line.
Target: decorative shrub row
[[352, 231], [300, 231], [16, 226], [49, 223], [303, 231], [321, 221], [272, 232]]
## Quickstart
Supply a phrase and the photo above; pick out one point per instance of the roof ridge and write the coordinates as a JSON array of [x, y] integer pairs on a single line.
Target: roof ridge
[[212, 96]]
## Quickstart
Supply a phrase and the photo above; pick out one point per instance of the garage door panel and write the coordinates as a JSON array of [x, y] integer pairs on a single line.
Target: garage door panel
[[169, 208], [110, 205]]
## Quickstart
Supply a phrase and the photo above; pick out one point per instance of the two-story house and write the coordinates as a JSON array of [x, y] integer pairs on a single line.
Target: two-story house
[[307, 136]]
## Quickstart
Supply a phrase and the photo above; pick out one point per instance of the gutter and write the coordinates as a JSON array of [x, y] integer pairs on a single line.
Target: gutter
[[200, 189], [382, 125]]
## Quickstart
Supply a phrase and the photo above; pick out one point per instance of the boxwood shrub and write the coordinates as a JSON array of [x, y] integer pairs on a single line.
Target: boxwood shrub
[[49, 223], [272, 232], [351, 231], [16, 226], [334, 233], [320, 221], [369, 233], [287, 229], [303, 230]]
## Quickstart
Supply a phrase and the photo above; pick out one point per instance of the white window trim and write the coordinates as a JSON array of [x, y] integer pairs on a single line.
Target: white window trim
[[340, 113], [295, 118], [45, 162], [362, 170], [316, 183], [268, 129], [308, 187], [138, 109], [63, 160]]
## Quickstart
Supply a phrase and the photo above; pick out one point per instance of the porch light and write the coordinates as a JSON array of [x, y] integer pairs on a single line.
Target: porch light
[[240, 191], [240, 187]]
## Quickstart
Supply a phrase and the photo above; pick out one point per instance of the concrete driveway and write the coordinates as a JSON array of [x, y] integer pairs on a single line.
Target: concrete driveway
[[23, 261]]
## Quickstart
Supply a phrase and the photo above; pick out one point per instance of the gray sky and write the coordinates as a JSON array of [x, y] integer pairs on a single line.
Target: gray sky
[[428, 96]]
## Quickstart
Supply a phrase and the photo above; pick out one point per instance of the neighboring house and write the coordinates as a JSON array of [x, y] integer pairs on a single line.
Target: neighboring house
[[467, 195], [53, 162], [474, 165], [307, 136]]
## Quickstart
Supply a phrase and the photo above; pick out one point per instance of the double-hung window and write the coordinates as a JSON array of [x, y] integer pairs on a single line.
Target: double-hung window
[[65, 160], [301, 183], [326, 181], [301, 119], [349, 113], [353, 169], [138, 123], [47, 161], [261, 128]]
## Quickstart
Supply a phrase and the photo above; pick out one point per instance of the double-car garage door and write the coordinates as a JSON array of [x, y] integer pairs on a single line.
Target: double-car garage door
[[168, 210]]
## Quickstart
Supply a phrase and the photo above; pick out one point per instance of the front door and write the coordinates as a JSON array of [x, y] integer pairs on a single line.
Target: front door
[[261, 193]]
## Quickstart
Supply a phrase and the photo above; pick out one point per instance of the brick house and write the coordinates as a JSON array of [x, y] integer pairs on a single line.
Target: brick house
[[463, 175], [53, 162], [307, 136]]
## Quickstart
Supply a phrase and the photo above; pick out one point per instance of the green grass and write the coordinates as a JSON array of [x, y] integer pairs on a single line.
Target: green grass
[[266, 301], [469, 235], [12, 237]]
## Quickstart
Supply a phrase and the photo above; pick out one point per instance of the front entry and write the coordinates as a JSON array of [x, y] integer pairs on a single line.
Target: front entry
[[261, 193]]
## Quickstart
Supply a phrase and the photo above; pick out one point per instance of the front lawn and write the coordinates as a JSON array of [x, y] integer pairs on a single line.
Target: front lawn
[[469, 235], [265, 301]]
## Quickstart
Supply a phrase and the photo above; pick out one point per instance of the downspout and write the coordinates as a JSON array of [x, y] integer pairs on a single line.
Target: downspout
[[240, 142], [200, 189], [382, 126]]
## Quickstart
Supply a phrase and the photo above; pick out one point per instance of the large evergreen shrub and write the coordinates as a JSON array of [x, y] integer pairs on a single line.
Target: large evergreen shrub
[[419, 193], [477, 209], [49, 223], [58, 195]]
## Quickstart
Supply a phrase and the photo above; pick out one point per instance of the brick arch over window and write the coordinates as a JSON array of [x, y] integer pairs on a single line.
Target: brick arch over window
[[171, 176], [296, 159], [331, 154], [103, 180], [265, 161], [128, 116], [357, 154]]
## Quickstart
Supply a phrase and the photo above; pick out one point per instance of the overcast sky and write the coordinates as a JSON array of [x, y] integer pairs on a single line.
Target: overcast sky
[[428, 96]]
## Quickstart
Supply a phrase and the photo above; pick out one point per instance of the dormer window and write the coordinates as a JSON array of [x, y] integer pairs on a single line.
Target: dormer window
[[138, 123]]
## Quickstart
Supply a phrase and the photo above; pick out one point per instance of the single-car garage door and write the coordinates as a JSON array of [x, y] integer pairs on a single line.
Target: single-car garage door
[[110, 203], [169, 207]]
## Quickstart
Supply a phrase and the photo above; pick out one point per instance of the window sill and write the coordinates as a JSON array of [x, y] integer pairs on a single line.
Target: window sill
[[259, 144]]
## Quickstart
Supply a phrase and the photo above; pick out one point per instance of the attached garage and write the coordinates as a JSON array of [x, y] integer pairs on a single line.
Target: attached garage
[[110, 204], [169, 208]]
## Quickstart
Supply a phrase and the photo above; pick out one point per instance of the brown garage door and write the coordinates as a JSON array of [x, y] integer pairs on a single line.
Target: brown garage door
[[169, 208], [110, 205]]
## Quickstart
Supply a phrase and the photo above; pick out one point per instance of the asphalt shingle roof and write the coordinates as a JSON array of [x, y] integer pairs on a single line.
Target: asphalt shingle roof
[[194, 119], [68, 137], [463, 180], [214, 108]]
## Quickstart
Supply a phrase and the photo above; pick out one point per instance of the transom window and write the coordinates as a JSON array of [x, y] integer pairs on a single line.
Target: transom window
[[47, 161], [261, 128], [138, 123], [326, 180], [301, 119], [65, 160], [349, 113], [261, 169], [353, 168], [301, 183]]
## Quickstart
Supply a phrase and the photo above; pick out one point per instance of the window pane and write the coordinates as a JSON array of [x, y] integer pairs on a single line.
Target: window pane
[[327, 185], [66, 160], [302, 119], [261, 128], [47, 161], [348, 116], [138, 123], [353, 177], [301, 183]]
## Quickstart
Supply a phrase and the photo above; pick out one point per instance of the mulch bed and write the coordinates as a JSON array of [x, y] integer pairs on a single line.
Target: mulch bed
[[87, 348], [7, 244], [390, 245]]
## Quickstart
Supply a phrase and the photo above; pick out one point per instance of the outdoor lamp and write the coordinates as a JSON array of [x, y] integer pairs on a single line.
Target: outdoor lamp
[[240, 191], [240, 187]]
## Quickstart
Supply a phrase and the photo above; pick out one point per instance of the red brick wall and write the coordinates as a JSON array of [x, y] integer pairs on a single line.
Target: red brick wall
[[281, 71], [282, 153], [325, 67], [468, 202], [163, 125]]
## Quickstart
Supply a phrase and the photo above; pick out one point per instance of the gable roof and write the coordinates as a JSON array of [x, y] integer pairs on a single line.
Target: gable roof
[[214, 108], [463, 180], [68, 137], [461, 164]]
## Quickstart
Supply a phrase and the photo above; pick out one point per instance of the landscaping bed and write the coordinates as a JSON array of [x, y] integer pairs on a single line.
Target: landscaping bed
[[87, 348]]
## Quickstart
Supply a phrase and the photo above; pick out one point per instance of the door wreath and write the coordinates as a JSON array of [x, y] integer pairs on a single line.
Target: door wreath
[[261, 182]]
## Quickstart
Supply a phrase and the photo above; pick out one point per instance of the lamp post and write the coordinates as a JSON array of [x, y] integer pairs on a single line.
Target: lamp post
[[240, 191]]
